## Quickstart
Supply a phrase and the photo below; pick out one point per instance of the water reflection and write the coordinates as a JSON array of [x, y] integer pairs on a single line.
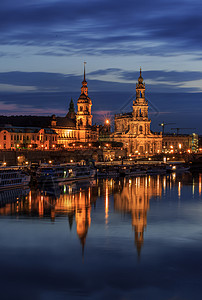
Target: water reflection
[[126, 196], [134, 198]]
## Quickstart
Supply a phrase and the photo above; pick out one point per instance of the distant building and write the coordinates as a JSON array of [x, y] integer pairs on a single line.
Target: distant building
[[76, 127], [29, 138], [180, 143], [133, 129], [65, 131]]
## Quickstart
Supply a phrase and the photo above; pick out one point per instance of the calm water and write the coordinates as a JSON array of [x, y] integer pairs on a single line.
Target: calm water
[[138, 238]]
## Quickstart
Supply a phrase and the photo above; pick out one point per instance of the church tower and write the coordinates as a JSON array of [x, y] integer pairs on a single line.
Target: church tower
[[84, 103], [140, 110]]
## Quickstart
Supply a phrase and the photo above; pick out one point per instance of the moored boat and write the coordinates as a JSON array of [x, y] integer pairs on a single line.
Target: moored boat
[[13, 177], [177, 167], [63, 173]]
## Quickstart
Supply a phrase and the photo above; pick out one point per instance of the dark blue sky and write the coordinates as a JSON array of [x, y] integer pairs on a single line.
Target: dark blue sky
[[44, 43]]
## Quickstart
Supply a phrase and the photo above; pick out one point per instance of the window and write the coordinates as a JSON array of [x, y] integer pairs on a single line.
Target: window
[[81, 108], [11, 137], [4, 137], [27, 138], [140, 129], [37, 138], [4, 146]]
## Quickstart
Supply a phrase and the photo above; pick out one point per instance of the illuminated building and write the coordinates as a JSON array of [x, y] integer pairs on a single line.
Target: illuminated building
[[74, 127], [133, 129], [30, 138], [180, 143]]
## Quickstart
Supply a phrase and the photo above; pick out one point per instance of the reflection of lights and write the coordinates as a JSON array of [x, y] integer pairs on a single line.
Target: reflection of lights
[[199, 185], [179, 189], [41, 207], [158, 181], [173, 176], [193, 187], [164, 183], [106, 203], [30, 201], [64, 190], [174, 167]]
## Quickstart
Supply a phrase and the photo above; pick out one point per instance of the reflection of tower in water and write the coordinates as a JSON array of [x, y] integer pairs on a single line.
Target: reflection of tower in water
[[82, 216], [134, 198]]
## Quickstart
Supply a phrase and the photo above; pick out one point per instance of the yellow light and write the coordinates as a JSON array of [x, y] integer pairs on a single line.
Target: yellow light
[[180, 146], [53, 146], [17, 145], [107, 121], [4, 163], [26, 162], [188, 150], [50, 161], [171, 147], [71, 160], [89, 145]]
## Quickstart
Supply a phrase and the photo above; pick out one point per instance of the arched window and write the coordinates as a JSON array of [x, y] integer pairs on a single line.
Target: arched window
[[81, 108], [140, 129], [81, 122]]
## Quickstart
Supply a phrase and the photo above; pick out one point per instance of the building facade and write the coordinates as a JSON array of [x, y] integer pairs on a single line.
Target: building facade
[[133, 129], [29, 138], [77, 126], [173, 143]]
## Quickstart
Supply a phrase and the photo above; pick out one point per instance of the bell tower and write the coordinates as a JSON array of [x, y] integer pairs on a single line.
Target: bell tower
[[140, 105], [84, 103], [140, 109]]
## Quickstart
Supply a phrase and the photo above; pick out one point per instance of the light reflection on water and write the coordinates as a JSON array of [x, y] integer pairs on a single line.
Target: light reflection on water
[[149, 226]]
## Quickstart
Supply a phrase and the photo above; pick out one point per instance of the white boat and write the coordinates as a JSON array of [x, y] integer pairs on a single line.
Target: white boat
[[63, 173], [13, 177]]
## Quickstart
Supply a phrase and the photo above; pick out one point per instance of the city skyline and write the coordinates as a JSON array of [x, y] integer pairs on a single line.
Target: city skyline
[[44, 44]]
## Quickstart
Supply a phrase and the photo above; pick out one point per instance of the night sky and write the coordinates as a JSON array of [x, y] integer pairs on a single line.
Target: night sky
[[45, 42]]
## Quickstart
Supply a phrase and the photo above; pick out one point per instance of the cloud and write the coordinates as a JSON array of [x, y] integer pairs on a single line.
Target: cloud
[[19, 109], [103, 27], [156, 81]]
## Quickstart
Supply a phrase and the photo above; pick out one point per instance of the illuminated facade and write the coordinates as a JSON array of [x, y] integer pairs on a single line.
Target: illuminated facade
[[173, 143], [77, 127], [31, 138], [133, 129]]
